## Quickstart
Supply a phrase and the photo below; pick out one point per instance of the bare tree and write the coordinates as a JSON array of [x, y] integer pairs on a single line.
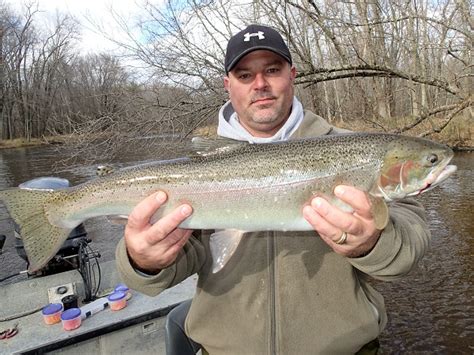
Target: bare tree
[[395, 65], [404, 49], [31, 72]]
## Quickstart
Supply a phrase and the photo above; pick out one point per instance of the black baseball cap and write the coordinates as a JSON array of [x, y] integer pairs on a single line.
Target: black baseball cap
[[252, 38]]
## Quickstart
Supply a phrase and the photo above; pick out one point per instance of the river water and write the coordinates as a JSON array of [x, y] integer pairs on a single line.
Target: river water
[[430, 311]]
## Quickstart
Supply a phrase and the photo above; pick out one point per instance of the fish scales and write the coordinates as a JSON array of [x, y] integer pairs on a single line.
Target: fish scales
[[266, 172], [249, 187]]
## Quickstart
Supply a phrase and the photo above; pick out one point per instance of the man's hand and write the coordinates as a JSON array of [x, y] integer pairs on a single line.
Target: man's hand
[[154, 247], [330, 222]]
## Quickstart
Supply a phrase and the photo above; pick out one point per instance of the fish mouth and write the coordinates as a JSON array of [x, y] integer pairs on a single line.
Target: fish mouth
[[434, 179]]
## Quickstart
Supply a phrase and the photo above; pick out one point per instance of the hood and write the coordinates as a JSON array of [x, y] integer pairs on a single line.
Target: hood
[[230, 127]]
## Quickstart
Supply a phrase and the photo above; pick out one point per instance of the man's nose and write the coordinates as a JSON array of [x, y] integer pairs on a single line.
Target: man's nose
[[260, 82]]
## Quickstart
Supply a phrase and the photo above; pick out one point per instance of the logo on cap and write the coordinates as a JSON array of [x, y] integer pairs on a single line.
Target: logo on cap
[[258, 34]]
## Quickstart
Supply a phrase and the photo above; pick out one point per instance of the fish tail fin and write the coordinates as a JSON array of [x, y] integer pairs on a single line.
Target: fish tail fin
[[41, 239]]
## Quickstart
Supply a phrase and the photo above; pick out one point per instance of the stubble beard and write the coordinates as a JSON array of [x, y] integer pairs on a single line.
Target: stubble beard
[[267, 113]]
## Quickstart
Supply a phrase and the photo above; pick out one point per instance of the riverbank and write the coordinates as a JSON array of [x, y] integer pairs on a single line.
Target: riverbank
[[33, 142], [457, 142]]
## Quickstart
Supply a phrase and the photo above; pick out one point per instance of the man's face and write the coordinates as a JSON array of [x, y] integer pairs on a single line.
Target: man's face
[[261, 90]]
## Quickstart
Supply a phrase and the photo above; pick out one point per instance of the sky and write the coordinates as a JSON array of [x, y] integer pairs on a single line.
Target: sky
[[97, 10]]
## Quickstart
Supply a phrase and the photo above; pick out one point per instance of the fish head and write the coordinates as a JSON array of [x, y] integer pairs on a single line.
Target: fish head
[[412, 166]]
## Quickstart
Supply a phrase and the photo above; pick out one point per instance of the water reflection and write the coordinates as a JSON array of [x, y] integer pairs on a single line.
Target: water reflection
[[21, 164], [430, 311]]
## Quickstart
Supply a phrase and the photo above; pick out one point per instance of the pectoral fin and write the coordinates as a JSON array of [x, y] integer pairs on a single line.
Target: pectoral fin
[[379, 211], [223, 244]]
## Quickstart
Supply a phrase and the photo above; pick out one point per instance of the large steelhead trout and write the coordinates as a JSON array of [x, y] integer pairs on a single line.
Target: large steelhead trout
[[238, 186]]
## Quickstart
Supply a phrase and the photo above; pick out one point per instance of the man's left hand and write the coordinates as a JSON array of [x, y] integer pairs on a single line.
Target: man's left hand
[[330, 222]]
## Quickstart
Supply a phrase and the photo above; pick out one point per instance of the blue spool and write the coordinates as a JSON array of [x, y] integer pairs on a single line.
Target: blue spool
[[52, 308], [71, 313]]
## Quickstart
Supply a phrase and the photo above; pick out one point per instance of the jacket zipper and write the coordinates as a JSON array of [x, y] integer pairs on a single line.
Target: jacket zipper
[[272, 298]]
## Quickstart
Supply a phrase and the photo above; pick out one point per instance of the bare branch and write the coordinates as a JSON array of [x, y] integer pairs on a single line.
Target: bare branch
[[326, 74], [461, 107]]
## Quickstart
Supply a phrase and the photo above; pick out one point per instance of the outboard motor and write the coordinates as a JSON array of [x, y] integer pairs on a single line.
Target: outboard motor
[[67, 257]]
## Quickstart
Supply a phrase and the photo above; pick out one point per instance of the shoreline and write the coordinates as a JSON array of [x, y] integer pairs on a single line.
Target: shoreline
[[60, 140]]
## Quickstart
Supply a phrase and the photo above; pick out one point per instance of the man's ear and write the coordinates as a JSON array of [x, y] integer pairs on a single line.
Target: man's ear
[[293, 73], [226, 83]]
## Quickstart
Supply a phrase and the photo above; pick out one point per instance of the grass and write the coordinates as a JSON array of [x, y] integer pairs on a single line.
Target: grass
[[459, 133], [23, 142], [20, 142]]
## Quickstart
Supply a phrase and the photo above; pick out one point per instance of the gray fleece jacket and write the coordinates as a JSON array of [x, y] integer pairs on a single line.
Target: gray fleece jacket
[[288, 292]]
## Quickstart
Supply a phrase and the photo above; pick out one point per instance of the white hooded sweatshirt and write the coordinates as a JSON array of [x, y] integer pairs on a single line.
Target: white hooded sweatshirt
[[230, 127]]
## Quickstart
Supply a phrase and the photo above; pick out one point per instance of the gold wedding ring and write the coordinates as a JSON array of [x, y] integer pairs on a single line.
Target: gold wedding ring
[[343, 238]]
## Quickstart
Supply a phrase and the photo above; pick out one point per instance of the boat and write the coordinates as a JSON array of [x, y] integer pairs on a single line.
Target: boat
[[138, 328]]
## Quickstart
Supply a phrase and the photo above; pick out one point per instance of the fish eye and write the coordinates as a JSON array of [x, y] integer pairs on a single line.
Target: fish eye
[[432, 158]]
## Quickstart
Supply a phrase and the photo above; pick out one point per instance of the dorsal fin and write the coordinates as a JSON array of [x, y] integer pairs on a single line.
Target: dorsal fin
[[205, 147]]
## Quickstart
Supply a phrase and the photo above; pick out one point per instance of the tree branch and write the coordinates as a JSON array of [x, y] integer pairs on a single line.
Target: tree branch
[[353, 71]]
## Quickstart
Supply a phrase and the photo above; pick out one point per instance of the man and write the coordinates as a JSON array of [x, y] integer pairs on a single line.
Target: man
[[282, 292]]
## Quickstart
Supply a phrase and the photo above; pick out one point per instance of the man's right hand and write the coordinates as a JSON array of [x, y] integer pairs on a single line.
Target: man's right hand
[[152, 247]]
